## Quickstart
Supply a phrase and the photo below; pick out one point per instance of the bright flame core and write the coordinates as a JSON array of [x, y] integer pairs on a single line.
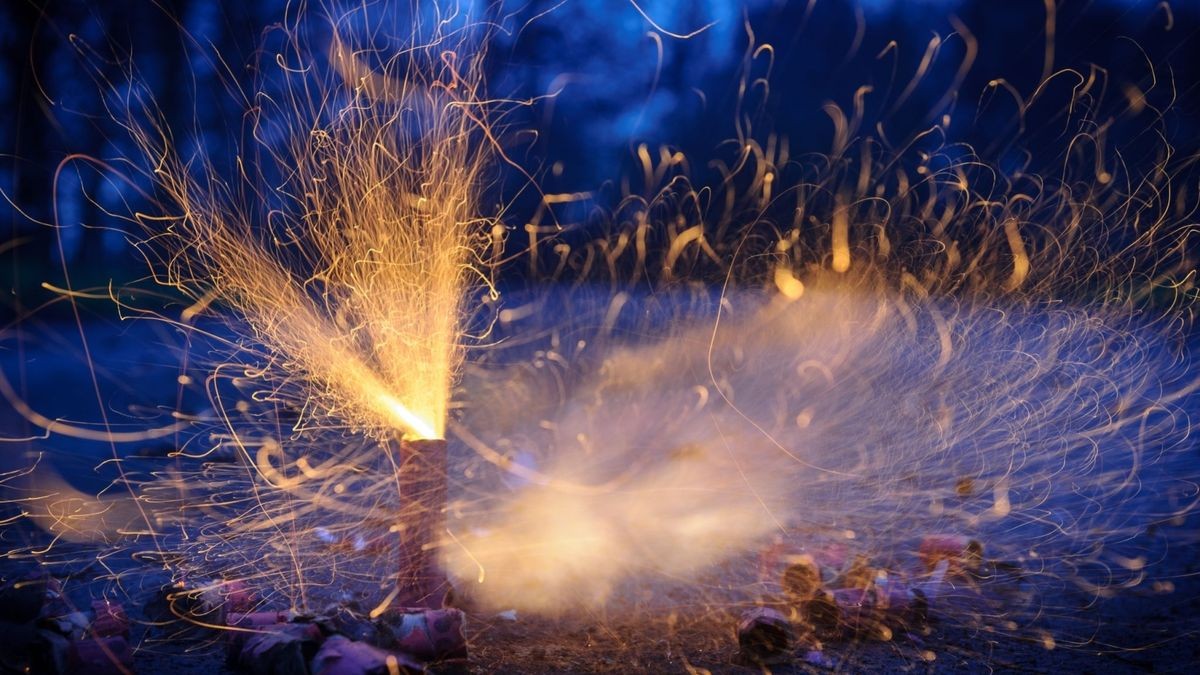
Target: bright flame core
[[420, 428]]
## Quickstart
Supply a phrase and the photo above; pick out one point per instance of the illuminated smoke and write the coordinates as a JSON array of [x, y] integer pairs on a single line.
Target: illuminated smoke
[[848, 415]]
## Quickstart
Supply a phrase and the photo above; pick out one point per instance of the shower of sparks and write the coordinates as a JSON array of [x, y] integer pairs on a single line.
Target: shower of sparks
[[342, 252], [353, 271]]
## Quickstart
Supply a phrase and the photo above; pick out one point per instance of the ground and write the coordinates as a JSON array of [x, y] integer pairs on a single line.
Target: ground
[[1146, 628]]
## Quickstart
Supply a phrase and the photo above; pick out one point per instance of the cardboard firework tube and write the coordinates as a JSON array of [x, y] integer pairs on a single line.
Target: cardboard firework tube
[[423, 494]]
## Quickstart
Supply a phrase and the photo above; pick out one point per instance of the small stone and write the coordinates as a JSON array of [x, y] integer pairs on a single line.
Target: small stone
[[73, 625]]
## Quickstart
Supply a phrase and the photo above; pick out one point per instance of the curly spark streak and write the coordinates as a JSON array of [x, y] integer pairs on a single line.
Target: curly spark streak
[[906, 340]]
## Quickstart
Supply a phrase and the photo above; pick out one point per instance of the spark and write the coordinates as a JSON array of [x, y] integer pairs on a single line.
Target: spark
[[842, 351]]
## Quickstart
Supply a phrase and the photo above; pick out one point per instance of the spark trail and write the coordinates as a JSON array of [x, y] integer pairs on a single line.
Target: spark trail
[[843, 350]]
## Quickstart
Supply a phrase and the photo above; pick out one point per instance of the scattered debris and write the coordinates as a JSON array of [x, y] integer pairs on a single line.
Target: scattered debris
[[826, 557], [965, 487], [246, 626], [284, 650], [72, 625], [257, 619], [343, 621], [877, 610], [110, 620], [812, 594], [343, 656], [205, 602], [43, 633], [765, 636], [963, 553], [903, 604], [236, 595], [341, 642], [428, 634]]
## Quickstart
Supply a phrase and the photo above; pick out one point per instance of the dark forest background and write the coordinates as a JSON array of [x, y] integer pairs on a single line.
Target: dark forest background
[[597, 53]]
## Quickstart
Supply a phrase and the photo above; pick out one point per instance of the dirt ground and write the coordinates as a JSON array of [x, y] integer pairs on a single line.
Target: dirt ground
[[1138, 631], [1151, 627]]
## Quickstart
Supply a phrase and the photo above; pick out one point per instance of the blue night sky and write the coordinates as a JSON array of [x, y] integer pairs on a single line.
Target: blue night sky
[[600, 58]]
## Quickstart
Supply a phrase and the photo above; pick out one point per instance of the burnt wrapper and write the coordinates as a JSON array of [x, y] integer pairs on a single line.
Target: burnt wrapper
[[427, 634]]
